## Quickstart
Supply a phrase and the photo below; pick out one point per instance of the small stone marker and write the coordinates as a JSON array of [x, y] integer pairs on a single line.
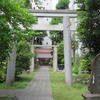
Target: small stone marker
[[94, 84]]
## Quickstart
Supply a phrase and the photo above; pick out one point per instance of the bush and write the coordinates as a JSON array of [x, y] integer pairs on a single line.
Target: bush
[[81, 78], [51, 63], [3, 70], [61, 53], [85, 62], [2, 76], [82, 63], [76, 64], [23, 57]]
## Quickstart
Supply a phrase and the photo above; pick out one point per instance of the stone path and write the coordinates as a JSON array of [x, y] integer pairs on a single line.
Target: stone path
[[38, 89]]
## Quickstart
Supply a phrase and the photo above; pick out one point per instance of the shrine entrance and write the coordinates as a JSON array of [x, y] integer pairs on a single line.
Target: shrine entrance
[[44, 61], [44, 56], [66, 27]]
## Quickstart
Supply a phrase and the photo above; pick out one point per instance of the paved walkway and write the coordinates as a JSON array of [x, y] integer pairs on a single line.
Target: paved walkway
[[38, 89]]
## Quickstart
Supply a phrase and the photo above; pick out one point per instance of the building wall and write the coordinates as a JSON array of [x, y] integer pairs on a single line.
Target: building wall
[[72, 5]]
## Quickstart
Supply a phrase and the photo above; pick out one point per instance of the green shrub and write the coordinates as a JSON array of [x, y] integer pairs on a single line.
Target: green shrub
[[82, 63], [61, 53], [76, 64], [81, 77], [51, 63], [85, 62], [3, 70], [2, 76], [23, 57]]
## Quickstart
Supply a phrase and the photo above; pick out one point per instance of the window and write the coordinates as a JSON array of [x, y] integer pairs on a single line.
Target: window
[[40, 3]]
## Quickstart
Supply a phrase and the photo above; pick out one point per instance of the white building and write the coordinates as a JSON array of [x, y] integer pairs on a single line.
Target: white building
[[72, 5]]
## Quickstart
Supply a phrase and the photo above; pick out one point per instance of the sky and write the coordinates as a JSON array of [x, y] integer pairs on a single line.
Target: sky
[[54, 2]]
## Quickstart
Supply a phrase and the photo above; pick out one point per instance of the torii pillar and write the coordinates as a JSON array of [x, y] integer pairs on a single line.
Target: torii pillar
[[55, 64], [32, 60], [67, 50]]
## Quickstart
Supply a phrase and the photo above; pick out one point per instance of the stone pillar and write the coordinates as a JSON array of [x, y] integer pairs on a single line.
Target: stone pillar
[[67, 50], [32, 60], [11, 67], [55, 59]]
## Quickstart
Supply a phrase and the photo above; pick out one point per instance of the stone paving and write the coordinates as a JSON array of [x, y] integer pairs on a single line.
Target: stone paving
[[38, 88]]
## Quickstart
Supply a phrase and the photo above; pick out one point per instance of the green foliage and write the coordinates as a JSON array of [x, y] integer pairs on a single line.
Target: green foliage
[[85, 62], [38, 38], [3, 70], [2, 76], [74, 44], [82, 77], [89, 24], [76, 64], [82, 63], [62, 4], [23, 57], [24, 3], [51, 63], [56, 21], [5, 38], [3, 66], [61, 53], [11, 16], [28, 4]]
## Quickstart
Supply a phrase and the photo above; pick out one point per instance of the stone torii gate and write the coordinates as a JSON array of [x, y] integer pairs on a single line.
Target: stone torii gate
[[54, 56], [65, 27]]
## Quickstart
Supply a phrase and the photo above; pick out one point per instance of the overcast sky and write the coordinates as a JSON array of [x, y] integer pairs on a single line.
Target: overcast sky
[[54, 2]]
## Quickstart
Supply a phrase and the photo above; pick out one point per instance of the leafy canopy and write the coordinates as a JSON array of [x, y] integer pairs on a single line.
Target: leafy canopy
[[62, 4], [12, 15], [89, 24]]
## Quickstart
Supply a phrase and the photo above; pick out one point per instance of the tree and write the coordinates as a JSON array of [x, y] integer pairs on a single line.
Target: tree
[[62, 4], [25, 3], [12, 17], [23, 57], [89, 24]]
